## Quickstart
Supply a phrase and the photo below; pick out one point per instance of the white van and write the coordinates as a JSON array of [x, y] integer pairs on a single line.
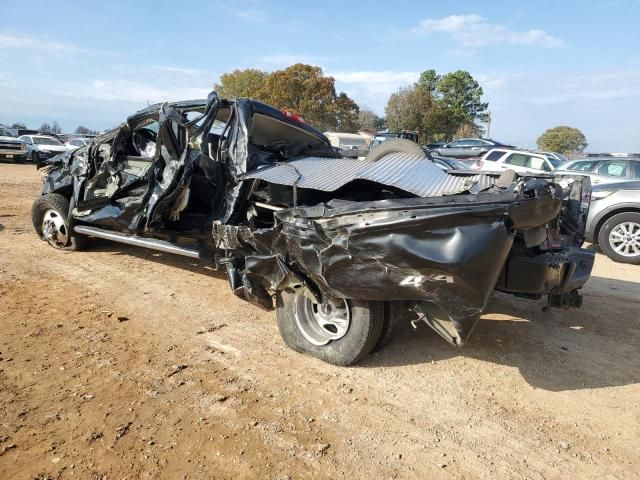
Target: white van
[[498, 159]]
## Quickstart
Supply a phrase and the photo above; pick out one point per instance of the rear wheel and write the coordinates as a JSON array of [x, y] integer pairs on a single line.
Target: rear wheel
[[399, 145], [339, 331], [619, 238], [394, 313], [49, 215]]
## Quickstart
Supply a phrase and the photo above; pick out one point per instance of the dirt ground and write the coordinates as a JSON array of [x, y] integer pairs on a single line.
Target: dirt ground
[[118, 362]]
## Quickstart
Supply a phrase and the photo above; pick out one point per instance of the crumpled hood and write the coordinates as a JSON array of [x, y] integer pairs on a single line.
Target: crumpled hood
[[52, 148]]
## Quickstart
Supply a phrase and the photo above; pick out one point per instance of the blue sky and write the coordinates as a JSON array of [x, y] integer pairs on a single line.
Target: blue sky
[[542, 63]]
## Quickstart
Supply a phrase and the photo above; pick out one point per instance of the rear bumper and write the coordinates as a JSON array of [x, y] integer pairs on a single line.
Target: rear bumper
[[9, 154], [550, 273]]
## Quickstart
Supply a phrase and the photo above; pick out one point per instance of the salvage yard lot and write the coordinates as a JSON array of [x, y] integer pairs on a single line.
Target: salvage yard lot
[[118, 362]]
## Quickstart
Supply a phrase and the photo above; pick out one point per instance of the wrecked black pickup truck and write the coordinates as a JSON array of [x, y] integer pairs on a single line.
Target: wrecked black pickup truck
[[343, 249]]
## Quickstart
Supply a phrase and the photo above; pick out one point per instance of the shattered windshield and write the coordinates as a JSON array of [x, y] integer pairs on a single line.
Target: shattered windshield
[[46, 141]]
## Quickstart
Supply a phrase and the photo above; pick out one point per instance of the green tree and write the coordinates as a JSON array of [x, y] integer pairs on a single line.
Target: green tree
[[346, 113], [50, 127], [242, 83], [462, 95], [467, 130], [304, 90], [300, 89], [439, 106], [82, 130], [429, 81], [408, 109], [368, 120], [562, 139]]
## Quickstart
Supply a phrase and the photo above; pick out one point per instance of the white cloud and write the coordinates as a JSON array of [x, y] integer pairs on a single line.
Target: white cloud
[[473, 31], [252, 15], [583, 89], [39, 45], [189, 72], [133, 91], [247, 11], [26, 42], [372, 88], [376, 77], [605, 106]]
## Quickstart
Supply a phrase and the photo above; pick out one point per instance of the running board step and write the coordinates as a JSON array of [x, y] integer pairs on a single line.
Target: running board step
[[151, 243]]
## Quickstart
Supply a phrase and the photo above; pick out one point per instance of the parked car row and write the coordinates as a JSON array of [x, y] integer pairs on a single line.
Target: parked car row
[[35, 148], [467, 148], [614, 216], [601, 170]]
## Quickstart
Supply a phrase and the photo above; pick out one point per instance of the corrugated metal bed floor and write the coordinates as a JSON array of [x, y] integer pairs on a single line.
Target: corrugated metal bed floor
[[409, 172]]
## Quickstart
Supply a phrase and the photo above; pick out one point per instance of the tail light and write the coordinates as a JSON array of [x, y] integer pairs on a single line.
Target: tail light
[[293, 116]]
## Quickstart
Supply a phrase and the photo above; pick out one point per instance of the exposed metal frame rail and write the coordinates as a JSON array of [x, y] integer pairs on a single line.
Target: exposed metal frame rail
[[151, 243]]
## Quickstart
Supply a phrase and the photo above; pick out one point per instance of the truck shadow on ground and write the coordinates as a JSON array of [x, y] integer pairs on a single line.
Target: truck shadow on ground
[[193, 265], [593, 347]]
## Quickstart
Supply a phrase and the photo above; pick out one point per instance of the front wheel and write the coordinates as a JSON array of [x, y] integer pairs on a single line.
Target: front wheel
[[619, 238], [49, 215], [34, 157], [338, 331]]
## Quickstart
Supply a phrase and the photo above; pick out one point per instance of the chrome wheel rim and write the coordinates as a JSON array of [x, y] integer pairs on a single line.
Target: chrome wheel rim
[[54, 229], [322, 323], [625, 239]]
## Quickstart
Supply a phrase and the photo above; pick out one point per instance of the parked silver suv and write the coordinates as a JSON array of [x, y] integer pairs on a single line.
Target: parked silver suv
[[604, 170], [614, 220]]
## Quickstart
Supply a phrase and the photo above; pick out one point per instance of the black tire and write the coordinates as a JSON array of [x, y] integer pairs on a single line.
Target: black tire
[[399, 145], [365, 329], [60, 205], [34, 157], [605, 232], [394, 313]]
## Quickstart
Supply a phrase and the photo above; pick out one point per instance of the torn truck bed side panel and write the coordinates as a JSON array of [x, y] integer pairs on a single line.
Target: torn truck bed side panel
[[452, 259]]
